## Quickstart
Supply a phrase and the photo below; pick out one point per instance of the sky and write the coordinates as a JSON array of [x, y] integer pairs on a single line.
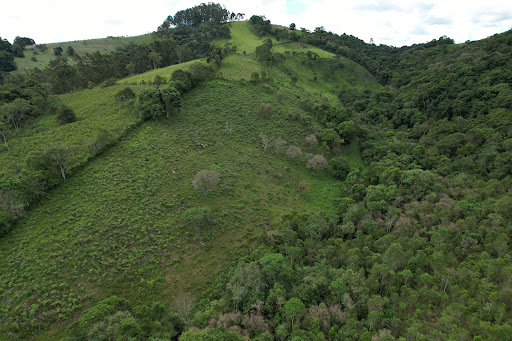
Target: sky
[[389, 22]]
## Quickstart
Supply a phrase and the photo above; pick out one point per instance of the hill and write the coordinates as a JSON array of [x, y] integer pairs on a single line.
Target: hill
[[40, 56], [363, 192], [134, 194]]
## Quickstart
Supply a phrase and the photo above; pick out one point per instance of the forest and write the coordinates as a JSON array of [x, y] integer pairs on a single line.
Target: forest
[[367, 189]]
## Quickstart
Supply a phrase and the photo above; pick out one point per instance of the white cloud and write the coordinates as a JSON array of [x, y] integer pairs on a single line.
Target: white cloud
[[399, 22]]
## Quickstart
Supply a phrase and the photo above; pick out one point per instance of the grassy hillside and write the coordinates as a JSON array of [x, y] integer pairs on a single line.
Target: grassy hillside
[[95, 109], [166, 72], [115, 226], [109, 44]]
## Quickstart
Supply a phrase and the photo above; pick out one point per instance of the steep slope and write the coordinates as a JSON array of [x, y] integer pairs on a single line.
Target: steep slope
[[115, 227]]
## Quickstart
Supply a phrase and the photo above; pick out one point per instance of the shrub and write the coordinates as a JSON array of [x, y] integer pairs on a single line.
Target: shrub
[[65, 115], [125, 94]]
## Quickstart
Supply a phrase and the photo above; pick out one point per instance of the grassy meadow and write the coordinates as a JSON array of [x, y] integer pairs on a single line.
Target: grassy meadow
[[116, 227], [81, 47]]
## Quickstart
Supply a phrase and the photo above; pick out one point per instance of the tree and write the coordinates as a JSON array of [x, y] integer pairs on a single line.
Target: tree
[[125, 94], [317, 161], [340, 167], [293, 152], [264, 52], [183, 305], [312, 141], [3, 132], [279, 144], [10, 197], [16, 112], [155, 58], [293, 26], [182, 80], [23, 41], [265, 140], [294, 309], [70, 51], [266, 109], [302, 186], [61, 156], [171, 98], [58, 51], [6, 56], [348, 130], [149, 104], [206, 180]]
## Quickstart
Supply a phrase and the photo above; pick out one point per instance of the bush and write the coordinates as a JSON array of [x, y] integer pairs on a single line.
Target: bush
[[340, 167], [125, 94], [65, 115]]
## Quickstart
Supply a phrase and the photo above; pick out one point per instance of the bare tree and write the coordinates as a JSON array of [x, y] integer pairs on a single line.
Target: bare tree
[[3, 131], [183, 305], [265, 109], [265, 140], [293, 152], [311, 140], [302, 186], [206, 180], [279, 144], [318, 161]]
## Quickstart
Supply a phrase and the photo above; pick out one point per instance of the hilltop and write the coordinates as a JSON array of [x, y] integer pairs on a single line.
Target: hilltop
[[358, 191]]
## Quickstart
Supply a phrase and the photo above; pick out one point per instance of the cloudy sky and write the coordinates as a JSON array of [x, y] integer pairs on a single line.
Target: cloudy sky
[[390, 22]]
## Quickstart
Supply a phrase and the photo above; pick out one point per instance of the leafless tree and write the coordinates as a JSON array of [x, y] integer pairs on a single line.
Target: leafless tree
[[318, 162], [293, 152], [206, 180], [265, 140], [279, 144]]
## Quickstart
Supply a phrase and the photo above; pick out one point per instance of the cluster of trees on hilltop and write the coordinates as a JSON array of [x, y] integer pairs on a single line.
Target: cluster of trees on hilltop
[[197, 15]]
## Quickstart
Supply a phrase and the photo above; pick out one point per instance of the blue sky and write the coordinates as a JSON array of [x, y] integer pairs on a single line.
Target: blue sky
[[396, 23]]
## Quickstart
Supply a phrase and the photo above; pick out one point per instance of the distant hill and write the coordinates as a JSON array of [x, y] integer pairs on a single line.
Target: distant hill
[[40, 55]]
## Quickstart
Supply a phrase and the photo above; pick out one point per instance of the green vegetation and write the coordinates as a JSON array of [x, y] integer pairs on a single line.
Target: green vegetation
[[165, 73], [43, 53], [281, 191]]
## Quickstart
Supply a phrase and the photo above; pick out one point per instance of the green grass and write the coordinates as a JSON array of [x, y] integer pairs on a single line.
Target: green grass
[[95, 109], [165, 72], [242, 35], [115, 227], [238, 67], [300, 48], [81, 47]]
